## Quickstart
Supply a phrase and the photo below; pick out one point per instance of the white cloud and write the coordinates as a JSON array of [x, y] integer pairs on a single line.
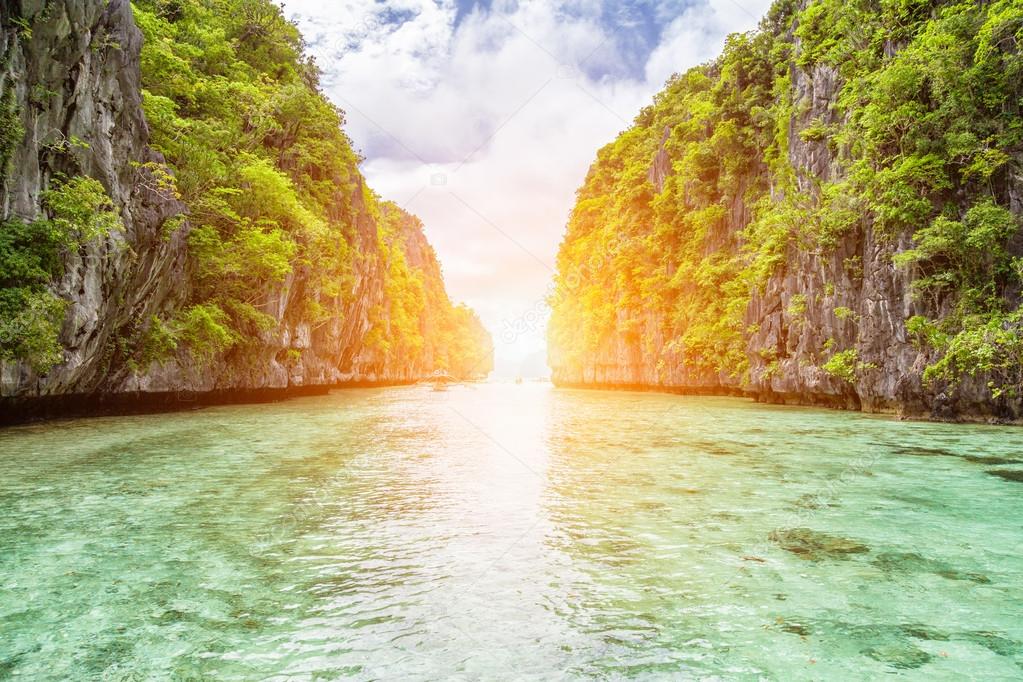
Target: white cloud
[[501, 110]]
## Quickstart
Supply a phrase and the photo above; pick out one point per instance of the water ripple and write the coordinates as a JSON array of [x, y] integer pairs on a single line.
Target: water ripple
[[509, 532]]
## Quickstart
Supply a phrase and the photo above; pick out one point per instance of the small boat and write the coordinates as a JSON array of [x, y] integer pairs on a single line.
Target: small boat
[[440, 380]]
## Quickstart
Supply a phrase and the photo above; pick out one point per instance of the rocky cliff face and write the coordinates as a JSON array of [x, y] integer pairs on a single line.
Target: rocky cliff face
[[70, 71], [300, 353], [815, 301], [75, 83], [858, 276]]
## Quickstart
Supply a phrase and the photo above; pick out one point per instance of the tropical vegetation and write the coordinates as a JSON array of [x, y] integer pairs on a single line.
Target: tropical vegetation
[[925, 138], [270, 192]]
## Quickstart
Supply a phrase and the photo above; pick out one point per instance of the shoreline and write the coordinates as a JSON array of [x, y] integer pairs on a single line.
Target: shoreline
[[16, 411], [825, 402]]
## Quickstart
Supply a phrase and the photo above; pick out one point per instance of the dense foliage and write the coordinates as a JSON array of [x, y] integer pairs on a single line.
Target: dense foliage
[[259, 159], [926, 138], [269, 178], [77, 212]]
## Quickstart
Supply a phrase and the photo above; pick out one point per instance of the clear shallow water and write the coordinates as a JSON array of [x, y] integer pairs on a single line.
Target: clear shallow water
[[510, 532]]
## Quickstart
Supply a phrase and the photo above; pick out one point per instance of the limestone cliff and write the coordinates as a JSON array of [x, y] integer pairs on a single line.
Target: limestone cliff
[[73, 75], [766, 229], [70, 77]]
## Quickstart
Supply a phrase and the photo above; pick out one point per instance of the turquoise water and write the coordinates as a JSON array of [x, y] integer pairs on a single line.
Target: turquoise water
[[510, 532]]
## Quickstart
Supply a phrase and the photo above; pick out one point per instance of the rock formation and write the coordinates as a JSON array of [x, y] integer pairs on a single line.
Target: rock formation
[[71, 84]]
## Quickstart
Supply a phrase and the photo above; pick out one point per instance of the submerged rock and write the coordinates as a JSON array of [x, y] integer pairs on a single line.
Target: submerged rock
[[998, 644], [980, 459], [1008, 474], [902, 655], [796, 629], [924, 632], [891, 643], [911, 562], [914, 451], [813, 501], [171, 616], [9, 664], [814, 546]]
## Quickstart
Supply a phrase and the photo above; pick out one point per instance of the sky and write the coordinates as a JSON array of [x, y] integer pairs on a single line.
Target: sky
[[483, 116]]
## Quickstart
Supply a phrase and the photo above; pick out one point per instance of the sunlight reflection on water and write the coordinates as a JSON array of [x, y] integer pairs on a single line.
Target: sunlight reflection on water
[[503, 531]]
